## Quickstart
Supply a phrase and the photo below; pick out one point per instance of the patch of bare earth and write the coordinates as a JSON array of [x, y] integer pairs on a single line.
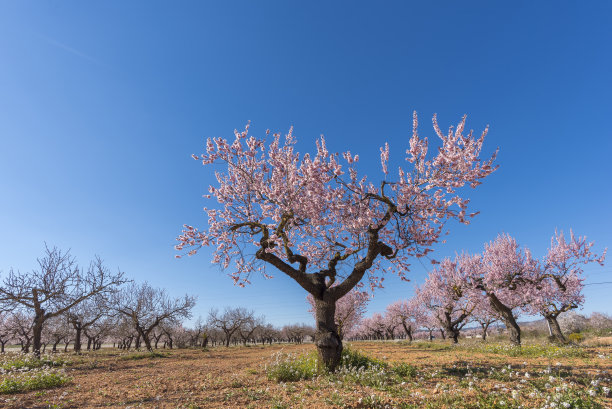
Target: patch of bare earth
[[235, 377]]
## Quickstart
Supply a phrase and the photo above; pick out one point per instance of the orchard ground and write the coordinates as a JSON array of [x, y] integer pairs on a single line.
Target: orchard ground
[[434, 375]]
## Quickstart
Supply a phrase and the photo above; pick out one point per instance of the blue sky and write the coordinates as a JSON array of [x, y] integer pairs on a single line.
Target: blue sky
[[102, 104]]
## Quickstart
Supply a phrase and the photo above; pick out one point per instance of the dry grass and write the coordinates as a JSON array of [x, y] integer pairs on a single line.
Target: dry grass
[[236, 378]]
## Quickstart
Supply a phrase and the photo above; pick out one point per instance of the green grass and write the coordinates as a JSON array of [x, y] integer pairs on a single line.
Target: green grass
[[293, 368], [355, 367], [534, 350], [355, 359], [143, 355], [28, 361], [29, 381]]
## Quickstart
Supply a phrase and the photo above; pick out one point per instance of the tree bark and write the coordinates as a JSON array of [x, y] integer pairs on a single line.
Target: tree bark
[[408, 330], [37, 333], [327, 340], [506, 313], [485, 327], [77, 337], [443, 334], [554, 328]]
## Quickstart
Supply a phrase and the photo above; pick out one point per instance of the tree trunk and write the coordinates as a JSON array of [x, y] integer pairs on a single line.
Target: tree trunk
[[407, 330], [145, 338], [449, 328], [77, 338], [554, 327], [37, 334], [506, 313], [327, 340], [484, 330], [443, 334]]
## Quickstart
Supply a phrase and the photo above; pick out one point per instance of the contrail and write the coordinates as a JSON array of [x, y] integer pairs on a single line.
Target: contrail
[[70, 50]]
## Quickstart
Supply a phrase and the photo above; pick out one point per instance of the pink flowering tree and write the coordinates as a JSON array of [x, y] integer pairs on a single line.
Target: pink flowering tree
[[484, 314], [431, 324], [408, 313], [506, 275], [374, 327], [350, 310], [316, 219], [560, 277], [447, 293]]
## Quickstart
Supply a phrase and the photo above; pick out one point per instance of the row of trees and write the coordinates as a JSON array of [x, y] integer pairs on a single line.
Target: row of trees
[[60, 298], [61, 303], [502, 283], [231, 327]]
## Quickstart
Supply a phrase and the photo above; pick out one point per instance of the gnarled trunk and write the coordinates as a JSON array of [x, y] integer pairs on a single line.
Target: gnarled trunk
[[37, 333], [77, 337], [327, 340], [485, 327], [506, 313], [408, 330], [555, 329]]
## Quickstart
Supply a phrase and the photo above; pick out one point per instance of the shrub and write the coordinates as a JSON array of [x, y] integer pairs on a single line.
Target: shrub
[[291, 368], [576, 337], [405, 370]]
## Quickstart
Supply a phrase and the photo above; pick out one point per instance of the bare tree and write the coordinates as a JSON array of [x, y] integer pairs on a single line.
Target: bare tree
[[56, 286], [297, 333], [99, 331], [267, 333], [123, 332], [57, 330], [147, 307], [230, 321], [6, 332], [249, 327], [20, 325], [84, 315]]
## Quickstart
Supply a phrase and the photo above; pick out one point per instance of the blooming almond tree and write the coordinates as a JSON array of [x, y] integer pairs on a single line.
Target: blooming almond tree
[[350, 310], [314, 218], [484, 314], [409, 313], [560, 279], [447, 293], [507, 276], [374, 327]]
